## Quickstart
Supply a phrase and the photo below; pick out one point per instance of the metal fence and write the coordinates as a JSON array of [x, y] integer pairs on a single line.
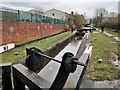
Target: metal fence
[[12, 14]]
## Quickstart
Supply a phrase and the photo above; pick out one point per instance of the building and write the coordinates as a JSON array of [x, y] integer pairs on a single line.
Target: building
[[54, 13], [37, 12]]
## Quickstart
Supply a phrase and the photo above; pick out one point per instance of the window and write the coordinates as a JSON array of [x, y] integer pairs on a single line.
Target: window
[[53, 14]]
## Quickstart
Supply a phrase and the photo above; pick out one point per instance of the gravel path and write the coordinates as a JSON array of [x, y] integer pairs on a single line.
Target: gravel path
[[115, 37], [100, 84]]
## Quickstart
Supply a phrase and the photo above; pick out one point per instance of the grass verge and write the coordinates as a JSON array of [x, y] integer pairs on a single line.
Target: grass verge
[[102, 48], [11, 57], [111, 31]]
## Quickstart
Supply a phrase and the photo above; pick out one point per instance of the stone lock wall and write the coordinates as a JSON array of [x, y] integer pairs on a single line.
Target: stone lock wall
[[14, 31]]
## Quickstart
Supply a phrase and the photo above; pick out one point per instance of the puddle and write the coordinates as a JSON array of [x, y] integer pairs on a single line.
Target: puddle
[[114, 60], [116, 63]]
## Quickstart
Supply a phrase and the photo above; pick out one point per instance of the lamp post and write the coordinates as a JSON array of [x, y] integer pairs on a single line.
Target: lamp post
[[101, 16]]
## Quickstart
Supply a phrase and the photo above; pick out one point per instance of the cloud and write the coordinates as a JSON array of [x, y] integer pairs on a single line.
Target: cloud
[[60, 1], [67, 6]]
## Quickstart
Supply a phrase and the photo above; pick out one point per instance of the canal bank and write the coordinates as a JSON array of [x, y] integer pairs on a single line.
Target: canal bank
[[55, 46], [19, 52], [107, 73], [74, 46]]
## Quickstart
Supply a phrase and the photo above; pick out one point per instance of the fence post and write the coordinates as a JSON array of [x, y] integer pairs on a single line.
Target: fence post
[[18, 15], [18, 85], [6, 76], [36, 17], [31, 17]]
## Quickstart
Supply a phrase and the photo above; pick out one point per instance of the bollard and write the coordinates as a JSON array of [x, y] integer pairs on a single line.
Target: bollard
[[34, 61]]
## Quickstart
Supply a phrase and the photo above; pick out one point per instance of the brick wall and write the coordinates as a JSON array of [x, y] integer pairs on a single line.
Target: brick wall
[[13, 31]]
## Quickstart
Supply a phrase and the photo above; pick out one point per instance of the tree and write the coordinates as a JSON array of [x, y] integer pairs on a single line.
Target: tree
[[99, 15], [112, 14], [71, 21], [101, 12], [76, 20], [95, 21], [103, 18], [79, 20]]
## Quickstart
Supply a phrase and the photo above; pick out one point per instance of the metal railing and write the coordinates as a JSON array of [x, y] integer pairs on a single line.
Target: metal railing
[[12, 14]]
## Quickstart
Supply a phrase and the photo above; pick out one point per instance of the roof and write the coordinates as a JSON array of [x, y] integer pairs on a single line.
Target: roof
[[57, 10], [34, 10]]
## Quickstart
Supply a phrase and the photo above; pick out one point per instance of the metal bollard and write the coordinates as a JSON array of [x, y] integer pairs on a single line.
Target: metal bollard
[[34, 61]]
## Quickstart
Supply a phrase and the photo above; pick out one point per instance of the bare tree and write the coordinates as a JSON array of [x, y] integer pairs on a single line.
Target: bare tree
[[103, 18], [112, 14], [101, 12]]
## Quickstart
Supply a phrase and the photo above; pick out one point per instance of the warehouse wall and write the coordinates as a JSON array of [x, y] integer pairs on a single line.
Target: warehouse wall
[[13, 31]]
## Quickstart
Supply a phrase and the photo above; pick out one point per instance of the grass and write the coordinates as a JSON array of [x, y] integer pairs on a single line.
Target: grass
[[102, 47], [11, 57], [111, 31]]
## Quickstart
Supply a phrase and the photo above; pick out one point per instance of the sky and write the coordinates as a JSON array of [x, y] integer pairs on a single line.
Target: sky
[[85, 7]]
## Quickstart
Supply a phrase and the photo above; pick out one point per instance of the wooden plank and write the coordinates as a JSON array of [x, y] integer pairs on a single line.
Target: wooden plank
[[29, 78]]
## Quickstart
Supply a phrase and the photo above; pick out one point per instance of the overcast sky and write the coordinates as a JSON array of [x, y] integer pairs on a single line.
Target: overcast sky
[[85, 7]]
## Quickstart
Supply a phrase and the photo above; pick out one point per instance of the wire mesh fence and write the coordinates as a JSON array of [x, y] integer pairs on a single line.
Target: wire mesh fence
[[12, 14]]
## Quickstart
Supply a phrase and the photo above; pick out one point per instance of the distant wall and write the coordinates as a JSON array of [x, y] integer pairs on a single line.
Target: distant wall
[[13, 31]]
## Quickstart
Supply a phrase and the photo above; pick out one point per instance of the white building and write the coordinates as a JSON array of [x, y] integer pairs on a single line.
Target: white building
[[54, 13], [37, 11]]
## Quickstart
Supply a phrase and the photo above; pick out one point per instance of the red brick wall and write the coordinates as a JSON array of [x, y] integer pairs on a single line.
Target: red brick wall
[[13, 31]]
